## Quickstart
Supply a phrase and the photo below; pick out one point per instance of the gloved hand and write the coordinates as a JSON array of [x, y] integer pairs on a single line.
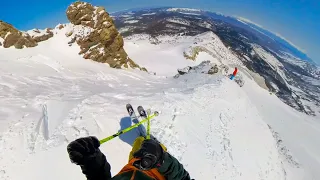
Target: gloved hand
[[83, 149], [86, 153], [151, 155]]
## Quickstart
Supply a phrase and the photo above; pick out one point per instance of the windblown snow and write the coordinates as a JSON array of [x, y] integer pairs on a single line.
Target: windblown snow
[[51, 96]]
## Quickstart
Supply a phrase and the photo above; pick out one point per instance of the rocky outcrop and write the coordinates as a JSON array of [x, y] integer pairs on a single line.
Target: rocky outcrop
[[40, 35], [18, 39], [205, 67], [13, 37], [98, 38]]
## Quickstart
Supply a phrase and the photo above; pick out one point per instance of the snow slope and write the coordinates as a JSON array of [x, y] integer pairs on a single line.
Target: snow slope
[[166, 55], [51, 96]]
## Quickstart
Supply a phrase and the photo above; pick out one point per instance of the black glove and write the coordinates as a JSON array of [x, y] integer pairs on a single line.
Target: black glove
[[151, 155], [86, 153], [83, 149]]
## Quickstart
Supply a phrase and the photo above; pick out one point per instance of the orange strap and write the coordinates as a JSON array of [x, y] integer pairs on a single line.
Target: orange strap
[[153, 173]]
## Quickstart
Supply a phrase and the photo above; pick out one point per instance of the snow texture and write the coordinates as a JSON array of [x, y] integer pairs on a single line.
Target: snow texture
[[51, 96]]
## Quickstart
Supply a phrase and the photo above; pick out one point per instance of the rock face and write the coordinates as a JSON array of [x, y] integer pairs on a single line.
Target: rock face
[[13, 37], [41, 35], [102, 43], [18, 39], [205, 67]]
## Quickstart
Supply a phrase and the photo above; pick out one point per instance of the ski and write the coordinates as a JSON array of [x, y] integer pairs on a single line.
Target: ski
[[131, 112], [142, 112], [135, 119]]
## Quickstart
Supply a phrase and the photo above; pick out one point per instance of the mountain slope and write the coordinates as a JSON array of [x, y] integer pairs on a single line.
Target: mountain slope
[[276, 61], [207, 122]]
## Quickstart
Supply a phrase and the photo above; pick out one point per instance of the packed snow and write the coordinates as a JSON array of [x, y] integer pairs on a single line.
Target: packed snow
[[51, 96]]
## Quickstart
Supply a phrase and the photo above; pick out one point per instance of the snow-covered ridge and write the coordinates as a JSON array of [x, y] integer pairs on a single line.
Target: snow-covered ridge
[[131, 21], [38, 32], [179, 21], [269, 58], [184, 9], [148, 14], [186, 13]]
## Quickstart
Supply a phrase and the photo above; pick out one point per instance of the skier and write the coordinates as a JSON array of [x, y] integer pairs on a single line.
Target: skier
[[148, 160], [234, 73]]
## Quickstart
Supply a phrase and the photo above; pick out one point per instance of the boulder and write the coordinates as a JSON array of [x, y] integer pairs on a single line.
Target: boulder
[[60, 26], [184, 70], [205, 67], [213, 70], [98, 38]]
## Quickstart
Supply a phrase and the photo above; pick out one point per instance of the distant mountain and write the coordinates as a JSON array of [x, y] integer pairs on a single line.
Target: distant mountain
[[287, 72]]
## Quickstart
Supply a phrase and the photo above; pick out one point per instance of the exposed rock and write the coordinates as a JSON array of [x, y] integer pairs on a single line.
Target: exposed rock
[[61, 26], [36, 30], [0, 44], [184, 70], [72, 41], [213, 70], [193, 52], [41, 35], [13, 37], [98, 38], [68, 34], [205, 67], [224, 69]]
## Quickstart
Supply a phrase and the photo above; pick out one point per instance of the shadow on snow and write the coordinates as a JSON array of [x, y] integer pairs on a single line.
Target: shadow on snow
[[130, 136]]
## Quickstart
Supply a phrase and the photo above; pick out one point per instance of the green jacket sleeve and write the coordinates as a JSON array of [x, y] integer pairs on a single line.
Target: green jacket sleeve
[[172, 169]]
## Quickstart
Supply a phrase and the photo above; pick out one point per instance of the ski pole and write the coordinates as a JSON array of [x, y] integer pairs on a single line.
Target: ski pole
[[148, 128], [129, 128]]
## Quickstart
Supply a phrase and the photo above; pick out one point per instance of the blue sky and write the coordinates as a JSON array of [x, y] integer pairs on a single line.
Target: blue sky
[[296, 20]]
